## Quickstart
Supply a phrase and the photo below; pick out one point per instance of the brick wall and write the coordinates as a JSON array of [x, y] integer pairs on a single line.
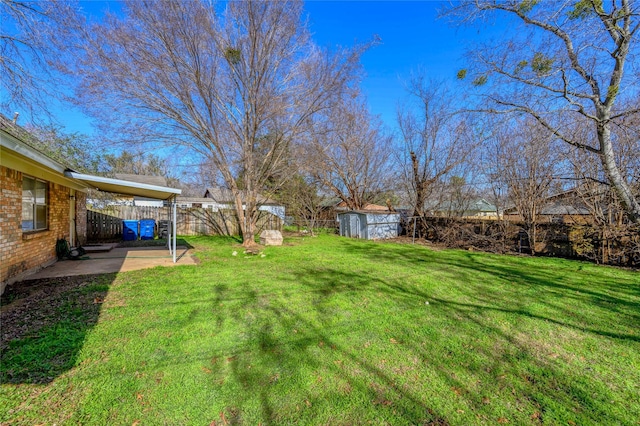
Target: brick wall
[[22, 253], [10, 217]]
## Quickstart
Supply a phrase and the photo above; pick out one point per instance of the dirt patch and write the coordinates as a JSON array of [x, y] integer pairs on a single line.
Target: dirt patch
[[28, 306]]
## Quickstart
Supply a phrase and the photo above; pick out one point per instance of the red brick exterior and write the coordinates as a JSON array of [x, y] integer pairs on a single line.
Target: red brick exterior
[[25, 252], [81, 218]]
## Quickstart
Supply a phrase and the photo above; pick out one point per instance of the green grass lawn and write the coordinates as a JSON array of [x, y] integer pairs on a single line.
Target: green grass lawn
[[335, 331]]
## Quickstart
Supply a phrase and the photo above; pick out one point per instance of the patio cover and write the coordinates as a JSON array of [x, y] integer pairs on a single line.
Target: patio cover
[[125, 187]]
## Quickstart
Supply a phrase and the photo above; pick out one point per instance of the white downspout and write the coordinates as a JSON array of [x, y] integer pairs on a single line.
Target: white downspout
[[169, 230], [175, 227]]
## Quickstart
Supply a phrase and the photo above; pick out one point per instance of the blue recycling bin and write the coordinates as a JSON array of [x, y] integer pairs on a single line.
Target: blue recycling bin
[[147, 229], [130, 230]]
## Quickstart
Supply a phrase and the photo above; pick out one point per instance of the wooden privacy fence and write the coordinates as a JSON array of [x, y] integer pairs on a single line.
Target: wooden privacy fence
[[614, 245], [107, 224], [102, 226]]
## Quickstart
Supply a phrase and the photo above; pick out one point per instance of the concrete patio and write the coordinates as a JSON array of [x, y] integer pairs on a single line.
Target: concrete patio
[[119, 259]]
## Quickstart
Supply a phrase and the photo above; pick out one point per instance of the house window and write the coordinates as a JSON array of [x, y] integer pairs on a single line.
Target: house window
[[34, 204]]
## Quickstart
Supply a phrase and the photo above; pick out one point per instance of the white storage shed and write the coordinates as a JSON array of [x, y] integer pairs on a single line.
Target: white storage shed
[[369, 225]]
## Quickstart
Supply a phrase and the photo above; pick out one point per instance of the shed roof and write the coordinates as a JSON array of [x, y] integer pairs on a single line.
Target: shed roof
[[367, 207]]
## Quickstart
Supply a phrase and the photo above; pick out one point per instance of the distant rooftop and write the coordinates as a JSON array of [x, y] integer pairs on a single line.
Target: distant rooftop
[[149, 180], [225, 196]]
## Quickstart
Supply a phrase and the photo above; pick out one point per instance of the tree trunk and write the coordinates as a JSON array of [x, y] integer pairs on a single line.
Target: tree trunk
[[250, 225], [533, 235], [246, 220], [249, 235], [420, 188], [619, 185]]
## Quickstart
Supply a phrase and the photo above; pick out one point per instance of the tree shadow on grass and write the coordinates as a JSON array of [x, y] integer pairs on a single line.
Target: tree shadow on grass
[[279, 344], [44, 324], [541, 383], [519, 284], [328, 340], [291, 363], [334, 344], [270, 359]]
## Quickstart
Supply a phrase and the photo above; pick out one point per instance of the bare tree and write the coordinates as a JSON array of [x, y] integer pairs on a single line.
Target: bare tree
[[302, 201], [495, 189], [238, 87], [529, 162], [139, 163], [608, 238], [28, 81], [435, 142], [348, 152], [457, 197], [570, 61]]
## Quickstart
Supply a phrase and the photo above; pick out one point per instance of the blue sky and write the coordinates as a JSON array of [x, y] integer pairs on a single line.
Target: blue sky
[[412, 38]]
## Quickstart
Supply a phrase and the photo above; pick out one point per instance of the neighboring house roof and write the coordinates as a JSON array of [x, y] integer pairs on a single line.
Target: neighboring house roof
[[155, 181], [477, 205], [195, 200], [330, 202], [563, 203], [225, 196], [562, 209], [275, 209], [481, 205], [221, 195], [601, 188], [149, 180]]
